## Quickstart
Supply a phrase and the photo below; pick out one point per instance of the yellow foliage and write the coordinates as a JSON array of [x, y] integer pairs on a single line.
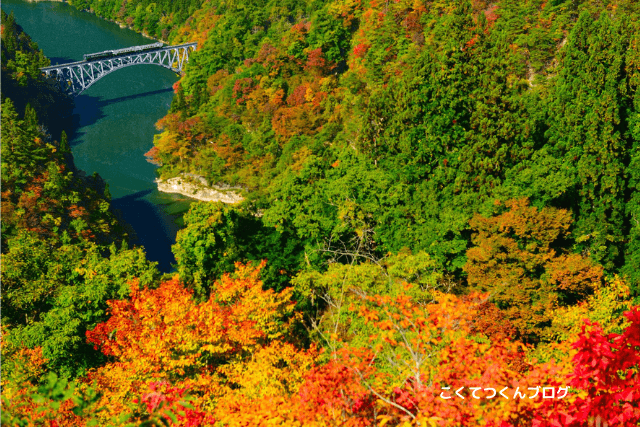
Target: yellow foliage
[[227, 347]]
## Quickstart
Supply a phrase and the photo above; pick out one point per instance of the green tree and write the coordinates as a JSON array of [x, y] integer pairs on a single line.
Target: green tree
[[588, 130], [53, 295], [216, 236]]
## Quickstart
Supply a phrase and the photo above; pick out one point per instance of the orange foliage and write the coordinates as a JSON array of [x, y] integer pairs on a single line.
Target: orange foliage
[[197, 29], [152, 155], [229, 346], [514, 259], [229, 354], [316, 62], [360, 50], [434, 355], [231, 152], [215, 81], [297, 97], [180, 137], [399, 378]]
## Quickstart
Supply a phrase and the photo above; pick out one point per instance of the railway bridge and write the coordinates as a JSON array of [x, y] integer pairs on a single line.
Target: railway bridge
[[76, 77]]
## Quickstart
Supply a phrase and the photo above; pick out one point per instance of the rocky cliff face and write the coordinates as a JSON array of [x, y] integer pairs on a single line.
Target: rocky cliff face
[[196, 187]]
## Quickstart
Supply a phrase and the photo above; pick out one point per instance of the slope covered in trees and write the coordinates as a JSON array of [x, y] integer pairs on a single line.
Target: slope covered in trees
[[232, 360], [407, 118], [63, 251], [441, 198], [156, 18]]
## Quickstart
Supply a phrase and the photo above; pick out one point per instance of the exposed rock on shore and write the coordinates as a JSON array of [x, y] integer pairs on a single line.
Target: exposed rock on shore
[[196, 187]]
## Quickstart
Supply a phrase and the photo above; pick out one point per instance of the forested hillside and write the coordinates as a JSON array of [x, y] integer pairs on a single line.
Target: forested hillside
[[442, 198], [157, 18], [63, 252], [406, 119]]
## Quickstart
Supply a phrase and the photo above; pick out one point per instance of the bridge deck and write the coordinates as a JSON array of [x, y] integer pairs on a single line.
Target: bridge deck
[[69, 64]]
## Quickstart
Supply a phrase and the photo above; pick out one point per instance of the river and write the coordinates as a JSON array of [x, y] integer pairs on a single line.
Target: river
[[114, 120]]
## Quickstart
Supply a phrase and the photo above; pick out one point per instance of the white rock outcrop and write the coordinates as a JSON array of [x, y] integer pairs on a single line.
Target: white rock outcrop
[[196, 187]]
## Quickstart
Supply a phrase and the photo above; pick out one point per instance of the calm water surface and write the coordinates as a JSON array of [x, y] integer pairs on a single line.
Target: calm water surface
[[114, 119]]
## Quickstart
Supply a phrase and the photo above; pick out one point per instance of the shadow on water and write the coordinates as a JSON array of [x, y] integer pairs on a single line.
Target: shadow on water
[[59, 60], [91, 107], [129, 97], [91, 113], [143, 217]]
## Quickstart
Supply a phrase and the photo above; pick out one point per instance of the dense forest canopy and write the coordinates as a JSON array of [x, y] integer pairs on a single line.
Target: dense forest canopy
[[407, 118], [438, 194]]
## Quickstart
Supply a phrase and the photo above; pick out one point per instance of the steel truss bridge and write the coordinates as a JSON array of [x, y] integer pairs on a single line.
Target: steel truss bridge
[[76, 77]]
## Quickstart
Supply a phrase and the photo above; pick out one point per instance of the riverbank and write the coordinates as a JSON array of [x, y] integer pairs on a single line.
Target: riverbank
[[118, 23], [91, 11], [113, 121], [197, 187]]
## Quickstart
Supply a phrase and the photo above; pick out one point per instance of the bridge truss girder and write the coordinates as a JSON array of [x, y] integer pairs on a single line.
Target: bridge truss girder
[[76, 77]]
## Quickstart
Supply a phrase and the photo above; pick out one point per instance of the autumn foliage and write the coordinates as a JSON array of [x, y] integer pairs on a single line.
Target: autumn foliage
[[421, 350], [228, 360], [606, 373], [452, 188], [515, 258], [234, 344]]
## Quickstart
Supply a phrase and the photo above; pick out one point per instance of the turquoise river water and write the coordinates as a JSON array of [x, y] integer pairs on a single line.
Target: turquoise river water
[[114, 120]]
